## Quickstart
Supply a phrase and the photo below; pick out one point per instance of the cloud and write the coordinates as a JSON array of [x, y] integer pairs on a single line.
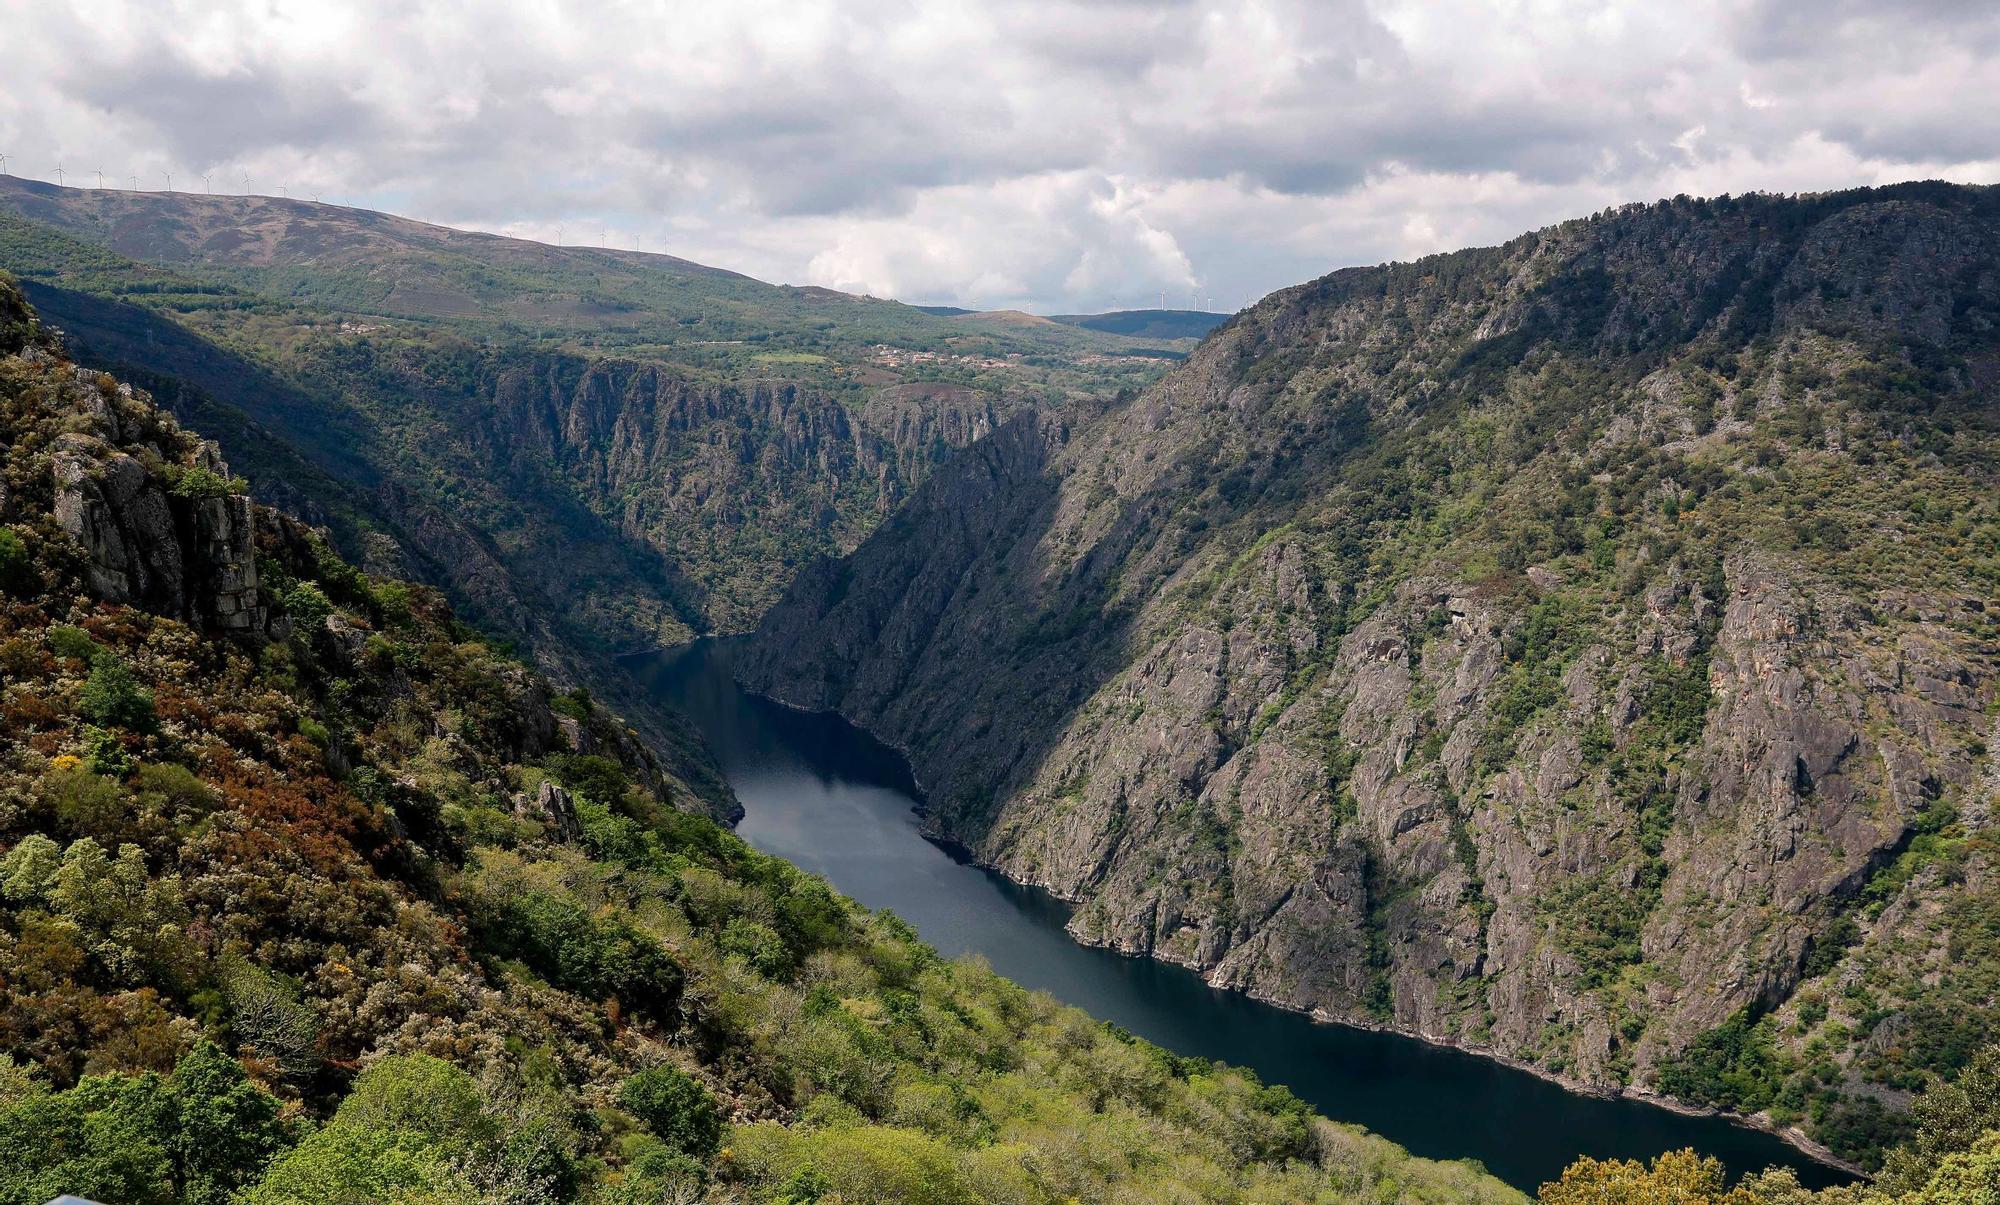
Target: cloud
[[1051, 154]]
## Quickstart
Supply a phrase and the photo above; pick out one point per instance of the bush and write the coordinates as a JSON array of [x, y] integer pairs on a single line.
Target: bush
[[573, 703], [591, 776], [197, 482], [85, 804], [1733, 1066], [74, 644], [17, 569], [1950, 1118], [308, 607], [759, 945], [421, 1095], [114, 699], [580, 953], [1680, 1176], [678, 1111], [196, 1136], [875, 1163]]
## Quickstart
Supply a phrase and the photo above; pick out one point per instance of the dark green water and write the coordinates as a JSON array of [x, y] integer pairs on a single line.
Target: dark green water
[[828, 797]]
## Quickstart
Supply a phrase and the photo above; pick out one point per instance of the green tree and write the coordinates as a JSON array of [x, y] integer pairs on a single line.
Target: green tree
[[414, 1128], [73, 643], [228, 1128], [678, 1110], [194, 1137], [90, 1141], [1950, 1118], [422, 1095], [113, 698], [17, 569], [348, 1165], [308, 606]]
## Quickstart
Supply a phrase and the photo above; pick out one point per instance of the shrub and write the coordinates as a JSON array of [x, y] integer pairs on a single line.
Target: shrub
[[1733, 1066], [573, 703], [196, 1136], [72, 643], [17, 569], [759, 945], [591, 776], [1950, 1118], [419, 1095], [308, 606], [197, 482], [1681, 1176], [84, 803], [113, 698], [580, 953], [173, 790], [678, 1111]]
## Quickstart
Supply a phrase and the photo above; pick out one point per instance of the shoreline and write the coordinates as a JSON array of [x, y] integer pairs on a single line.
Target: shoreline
[[1790, 1135], [928, 828]]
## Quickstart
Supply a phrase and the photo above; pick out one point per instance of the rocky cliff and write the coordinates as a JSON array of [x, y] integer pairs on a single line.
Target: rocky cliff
[[141, 512], [572, 501], [158, 519], [1582, 650], [734, 484]]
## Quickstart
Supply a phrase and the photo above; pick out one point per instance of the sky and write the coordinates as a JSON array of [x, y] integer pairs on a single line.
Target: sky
[[1050, 155]]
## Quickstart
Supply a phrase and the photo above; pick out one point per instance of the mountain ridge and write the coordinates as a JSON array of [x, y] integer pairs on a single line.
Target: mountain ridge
[[1383, 659]]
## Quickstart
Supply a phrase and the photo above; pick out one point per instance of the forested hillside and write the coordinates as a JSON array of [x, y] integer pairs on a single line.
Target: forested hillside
[[567, 498], [307, 894], [1582, 650], [591, 451]]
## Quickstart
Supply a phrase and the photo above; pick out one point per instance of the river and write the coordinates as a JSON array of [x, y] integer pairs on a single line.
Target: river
[[828, 797]]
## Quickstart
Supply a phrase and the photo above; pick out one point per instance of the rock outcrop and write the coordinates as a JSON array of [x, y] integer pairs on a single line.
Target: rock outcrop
[[158, 519]]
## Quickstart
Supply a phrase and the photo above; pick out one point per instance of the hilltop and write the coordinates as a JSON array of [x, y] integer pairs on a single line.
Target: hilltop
[[357, 261], [1148, 324]]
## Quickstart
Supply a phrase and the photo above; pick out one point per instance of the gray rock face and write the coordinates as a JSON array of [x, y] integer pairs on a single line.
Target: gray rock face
[[190, 556], [709, 475], [553, 807], [1529, 648]]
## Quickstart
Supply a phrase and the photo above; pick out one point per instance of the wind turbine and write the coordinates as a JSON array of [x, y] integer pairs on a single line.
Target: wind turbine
[[170, 180], [59, 175], [100, 177], [559, 236], [3, 165], [282, 192], [246, 184], [135, 182], [205, 187]]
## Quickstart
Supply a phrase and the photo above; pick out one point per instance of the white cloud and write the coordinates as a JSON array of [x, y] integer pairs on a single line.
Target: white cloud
[[1053, 154]]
